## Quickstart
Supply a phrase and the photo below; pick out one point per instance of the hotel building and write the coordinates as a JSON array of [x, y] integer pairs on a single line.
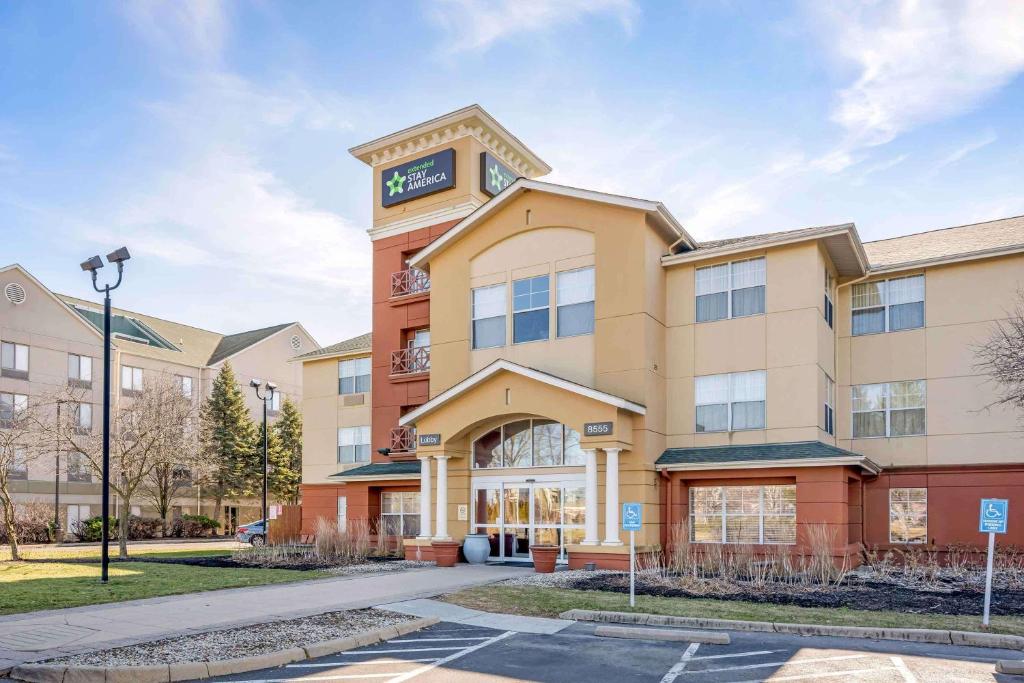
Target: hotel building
[[542, 354]]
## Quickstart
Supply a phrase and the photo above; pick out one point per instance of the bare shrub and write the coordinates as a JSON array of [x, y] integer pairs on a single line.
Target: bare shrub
[[819, 563], [348, 545]]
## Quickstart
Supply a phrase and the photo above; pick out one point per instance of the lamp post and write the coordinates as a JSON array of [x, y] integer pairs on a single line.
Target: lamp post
[[92, 265], [56, 478], [268, 395]]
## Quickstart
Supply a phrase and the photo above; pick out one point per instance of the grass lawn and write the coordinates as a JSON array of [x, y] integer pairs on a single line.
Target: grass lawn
[[148, 550], [26, 586], [549, 602]]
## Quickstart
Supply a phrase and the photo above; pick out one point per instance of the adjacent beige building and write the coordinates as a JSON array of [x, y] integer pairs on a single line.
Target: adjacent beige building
[[52, 340]]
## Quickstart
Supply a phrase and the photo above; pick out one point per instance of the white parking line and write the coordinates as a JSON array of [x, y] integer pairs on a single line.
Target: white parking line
[[317, 665], [391, 652], [449, 658], [827, 674], [908, 677], [738, 654], [794, 662], [680, 666]]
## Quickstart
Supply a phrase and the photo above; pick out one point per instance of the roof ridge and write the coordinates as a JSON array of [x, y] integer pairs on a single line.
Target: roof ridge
[[116, 309], [950, 227]]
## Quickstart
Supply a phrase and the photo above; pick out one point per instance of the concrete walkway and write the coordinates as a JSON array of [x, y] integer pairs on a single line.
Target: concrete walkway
[[43, 635], [448, 612]]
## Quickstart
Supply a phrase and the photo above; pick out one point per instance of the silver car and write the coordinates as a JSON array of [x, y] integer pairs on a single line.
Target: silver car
[[253, 533]]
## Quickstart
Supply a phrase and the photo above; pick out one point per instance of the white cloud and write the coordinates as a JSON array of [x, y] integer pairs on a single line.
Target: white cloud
[[477, 24], [920, 61], [966, 150], [192, 28]]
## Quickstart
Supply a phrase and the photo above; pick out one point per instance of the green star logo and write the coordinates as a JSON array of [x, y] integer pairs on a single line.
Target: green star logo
[[396, 184], [496, 178]]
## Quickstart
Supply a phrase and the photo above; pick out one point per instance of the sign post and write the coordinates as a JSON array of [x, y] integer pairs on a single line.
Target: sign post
[[632, 518], [992, 520]]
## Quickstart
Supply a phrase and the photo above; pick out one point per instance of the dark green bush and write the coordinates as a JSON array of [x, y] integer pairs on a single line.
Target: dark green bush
[[139, 528], [193, 526]]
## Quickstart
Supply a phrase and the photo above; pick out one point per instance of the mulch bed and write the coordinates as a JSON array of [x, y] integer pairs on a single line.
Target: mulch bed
[[866, 595]]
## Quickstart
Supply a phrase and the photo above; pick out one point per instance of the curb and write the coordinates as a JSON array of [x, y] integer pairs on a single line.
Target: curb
[[1014, 667], [914, 635], [710, 637], [187, 671]]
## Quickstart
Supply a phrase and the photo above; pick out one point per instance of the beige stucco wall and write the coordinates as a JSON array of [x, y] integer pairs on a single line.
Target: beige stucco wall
[[269, 360], [323, 413], [791, 342], [962, 301]]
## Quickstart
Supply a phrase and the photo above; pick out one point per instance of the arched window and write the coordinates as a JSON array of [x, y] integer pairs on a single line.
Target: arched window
[[528, 443]]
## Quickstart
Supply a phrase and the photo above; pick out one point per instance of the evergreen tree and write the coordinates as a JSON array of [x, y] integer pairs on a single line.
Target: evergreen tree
[[287, 474], [229, 443], [281, 479]]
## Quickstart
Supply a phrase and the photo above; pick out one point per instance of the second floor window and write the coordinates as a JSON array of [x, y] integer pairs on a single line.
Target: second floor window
[[730, 402], [530, 306], [576, 302], [353, 445], [78, 468], [11, 405], [889, 409], [18, 469], [79, 370], [489, 316], [14, 360], [888, 305], [830, 405], [131, 379], [82, 418], [731, 290], [186, 386], [829, 309], [354, 376]]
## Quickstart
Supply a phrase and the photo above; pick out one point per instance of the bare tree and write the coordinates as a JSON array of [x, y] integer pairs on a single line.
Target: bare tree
[[177, 467], [20, 428], [146, 430], [1002, 357]]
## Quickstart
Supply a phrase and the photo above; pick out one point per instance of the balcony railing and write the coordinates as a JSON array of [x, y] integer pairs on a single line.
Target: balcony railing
[[403, 440], [409, 281], [410, 361]]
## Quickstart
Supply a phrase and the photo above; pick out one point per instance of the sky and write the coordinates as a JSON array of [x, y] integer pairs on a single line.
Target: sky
[[212, 139]]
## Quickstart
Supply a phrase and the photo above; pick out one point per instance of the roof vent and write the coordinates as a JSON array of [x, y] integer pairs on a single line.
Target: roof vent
[[15, 293], [296, 342]]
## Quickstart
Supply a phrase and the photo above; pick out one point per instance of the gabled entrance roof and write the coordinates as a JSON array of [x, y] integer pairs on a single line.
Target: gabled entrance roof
[[794, 454], [508, 366]]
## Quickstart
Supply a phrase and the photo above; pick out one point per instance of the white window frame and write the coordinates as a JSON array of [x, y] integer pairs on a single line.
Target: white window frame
[[80, 362], [403, 497], [83, 426], [888, 409], [883, 292], [830, 309], [186, 380], [342, 513], [730, 288], [830, 406], [134, 376], [356, 435], [349, 368], [19, 355], [729, 402], [924, 540], [19, 402], [691, 513], [560, 304], [566, 429], [474, 317], [19, 465], [529, 295]]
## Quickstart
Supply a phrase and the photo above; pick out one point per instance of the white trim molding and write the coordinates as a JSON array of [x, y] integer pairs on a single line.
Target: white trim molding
[[423, 220], [508, 366]]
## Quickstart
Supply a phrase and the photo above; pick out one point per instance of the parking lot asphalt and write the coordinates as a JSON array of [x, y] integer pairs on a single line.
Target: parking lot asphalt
[[461, 653]]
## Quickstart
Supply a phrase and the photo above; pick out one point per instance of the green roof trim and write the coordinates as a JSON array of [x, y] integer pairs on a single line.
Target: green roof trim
[[382, 470], [124, 327], [799, 450]]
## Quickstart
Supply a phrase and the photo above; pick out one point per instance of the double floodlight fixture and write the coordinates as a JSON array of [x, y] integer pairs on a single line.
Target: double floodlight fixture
[[256, 382], [95, 263]]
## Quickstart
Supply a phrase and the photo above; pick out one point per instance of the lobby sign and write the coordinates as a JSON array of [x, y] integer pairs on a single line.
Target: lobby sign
[[597, 428], [417, 178], [430, 439], [494, 175]]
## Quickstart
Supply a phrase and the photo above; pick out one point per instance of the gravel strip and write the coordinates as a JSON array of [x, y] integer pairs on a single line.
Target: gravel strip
[[560, 579], [371, 568], [241, 642]]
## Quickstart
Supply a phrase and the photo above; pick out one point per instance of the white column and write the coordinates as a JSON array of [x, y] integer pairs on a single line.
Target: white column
[[442, 498], [611, 497], [425, 529], [590, 535]]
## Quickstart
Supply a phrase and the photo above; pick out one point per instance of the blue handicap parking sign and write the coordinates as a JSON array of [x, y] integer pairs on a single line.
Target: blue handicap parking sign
[[631, 516], [994, 514]]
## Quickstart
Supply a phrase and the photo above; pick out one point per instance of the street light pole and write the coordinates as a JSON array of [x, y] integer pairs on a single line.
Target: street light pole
[[268, 395], [93, 265], [56, 479]]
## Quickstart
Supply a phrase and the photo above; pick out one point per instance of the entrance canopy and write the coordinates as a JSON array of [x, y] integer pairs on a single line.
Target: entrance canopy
[[505, 390]]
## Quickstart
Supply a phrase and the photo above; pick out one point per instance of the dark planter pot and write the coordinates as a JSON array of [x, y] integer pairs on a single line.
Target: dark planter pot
[[446, 553], [544, 557]]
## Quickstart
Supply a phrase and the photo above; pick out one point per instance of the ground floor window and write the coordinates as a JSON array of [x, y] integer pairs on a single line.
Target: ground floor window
[[400, 512], [908, 515], [342, 513], [743, 514]]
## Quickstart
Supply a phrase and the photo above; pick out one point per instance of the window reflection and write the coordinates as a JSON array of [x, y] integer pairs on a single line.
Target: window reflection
[[528, 443]]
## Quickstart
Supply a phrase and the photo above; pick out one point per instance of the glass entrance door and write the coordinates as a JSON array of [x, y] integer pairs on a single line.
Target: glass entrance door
[[515, 515]]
